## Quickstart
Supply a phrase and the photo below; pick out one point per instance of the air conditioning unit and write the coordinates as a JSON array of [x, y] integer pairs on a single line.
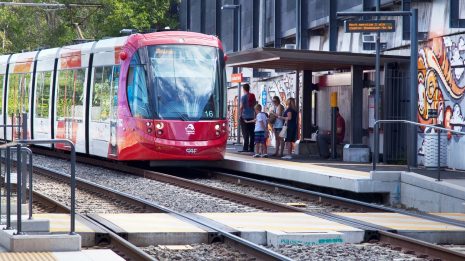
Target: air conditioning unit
[[289, 46], [368, 38]]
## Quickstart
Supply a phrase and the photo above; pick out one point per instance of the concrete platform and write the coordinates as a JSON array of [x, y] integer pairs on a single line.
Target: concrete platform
[[287, 228], [430, 231], [146, 229], [418, 189], [60, 224], [84, 255], [39, 243], [308, 173]]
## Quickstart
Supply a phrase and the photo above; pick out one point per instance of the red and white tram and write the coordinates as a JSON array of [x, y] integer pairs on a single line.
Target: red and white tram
[[157, 96]]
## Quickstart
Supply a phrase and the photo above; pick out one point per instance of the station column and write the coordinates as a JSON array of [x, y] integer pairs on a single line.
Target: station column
[[356, 110]]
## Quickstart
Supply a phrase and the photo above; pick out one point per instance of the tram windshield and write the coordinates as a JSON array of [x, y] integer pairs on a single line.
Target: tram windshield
[[186, 81]]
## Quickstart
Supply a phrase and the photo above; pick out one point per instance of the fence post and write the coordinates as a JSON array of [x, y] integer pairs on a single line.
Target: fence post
[[23, 157], [18, 189], [30, 185], [8, 188], [439, 155]]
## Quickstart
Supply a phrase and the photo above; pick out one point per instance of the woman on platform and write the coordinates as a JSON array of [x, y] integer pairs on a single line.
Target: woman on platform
[[290, 120]]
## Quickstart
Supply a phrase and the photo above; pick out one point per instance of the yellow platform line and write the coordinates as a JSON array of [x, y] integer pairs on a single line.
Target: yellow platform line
[[29, 256]]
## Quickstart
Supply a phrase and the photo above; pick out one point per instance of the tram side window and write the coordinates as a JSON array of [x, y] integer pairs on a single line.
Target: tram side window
[[43, 80], [18, 93], [70, 96], [101, 93], [114, 92], [138, 97], [2, 82]]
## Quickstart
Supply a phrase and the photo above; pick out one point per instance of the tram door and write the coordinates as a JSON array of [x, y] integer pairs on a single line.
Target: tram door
[[103, 112], [18, 101], [70, 108]]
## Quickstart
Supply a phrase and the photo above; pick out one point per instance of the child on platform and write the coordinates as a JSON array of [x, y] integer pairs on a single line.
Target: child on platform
[[261, 123]]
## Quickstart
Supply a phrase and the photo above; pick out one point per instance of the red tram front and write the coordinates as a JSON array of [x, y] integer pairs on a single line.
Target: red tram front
[[172, 106]]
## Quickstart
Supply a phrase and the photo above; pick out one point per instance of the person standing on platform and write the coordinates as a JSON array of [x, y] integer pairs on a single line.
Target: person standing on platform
[[290, 120], [248, 102], [324, 139], [278, 110], [261, 124]]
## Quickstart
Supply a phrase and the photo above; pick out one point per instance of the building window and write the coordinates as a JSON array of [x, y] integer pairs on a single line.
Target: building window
[[457, 20]]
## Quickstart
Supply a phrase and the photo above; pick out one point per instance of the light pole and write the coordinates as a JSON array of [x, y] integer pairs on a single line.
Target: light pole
[[238, 48]]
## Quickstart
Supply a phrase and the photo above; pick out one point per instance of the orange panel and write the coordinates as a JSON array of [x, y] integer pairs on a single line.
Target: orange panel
[[71, 59], [24, 66]]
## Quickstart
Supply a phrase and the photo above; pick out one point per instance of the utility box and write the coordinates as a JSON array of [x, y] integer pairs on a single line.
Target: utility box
[[356, 153]]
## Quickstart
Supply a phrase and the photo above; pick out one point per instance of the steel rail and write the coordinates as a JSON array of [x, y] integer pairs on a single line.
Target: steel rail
[[382, 231], [129, 250], [355, 204], [384, 235], [253, 249]]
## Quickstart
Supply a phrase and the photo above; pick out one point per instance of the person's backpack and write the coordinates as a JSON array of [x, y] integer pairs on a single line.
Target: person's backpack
[[252, 100]]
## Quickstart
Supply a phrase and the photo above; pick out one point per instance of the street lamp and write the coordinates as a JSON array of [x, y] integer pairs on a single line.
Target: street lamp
[[239, 42]]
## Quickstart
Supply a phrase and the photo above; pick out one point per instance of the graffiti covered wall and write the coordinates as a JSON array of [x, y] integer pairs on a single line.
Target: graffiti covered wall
[[264, 90], [441, 86]]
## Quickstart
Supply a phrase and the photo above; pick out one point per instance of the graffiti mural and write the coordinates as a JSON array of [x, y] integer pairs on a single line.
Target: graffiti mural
[[441, 86], [264, 90]]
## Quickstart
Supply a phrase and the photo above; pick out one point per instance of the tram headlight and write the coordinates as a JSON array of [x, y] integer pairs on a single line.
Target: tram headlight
[[149, 130], [159, 126], [160, 132], [148, 124], [217, 133], [217, 127]]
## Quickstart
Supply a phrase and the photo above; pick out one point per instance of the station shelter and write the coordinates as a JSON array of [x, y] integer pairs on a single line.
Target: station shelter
[[311, 76]]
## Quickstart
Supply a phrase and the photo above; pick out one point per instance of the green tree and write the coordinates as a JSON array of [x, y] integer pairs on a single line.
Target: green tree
[[27, 28]]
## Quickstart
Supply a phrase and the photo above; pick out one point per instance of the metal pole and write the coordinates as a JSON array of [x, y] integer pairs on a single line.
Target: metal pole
[[18, 189], [298, 23], [377, 92], [239, 70], [73, 188], [333, 133], [439, 155], [24, 157], [1, 162], [412, 149], [8, 188], [30, 185]]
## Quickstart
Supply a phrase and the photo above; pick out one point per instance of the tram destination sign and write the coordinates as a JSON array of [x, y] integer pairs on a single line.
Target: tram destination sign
[[370, 26]]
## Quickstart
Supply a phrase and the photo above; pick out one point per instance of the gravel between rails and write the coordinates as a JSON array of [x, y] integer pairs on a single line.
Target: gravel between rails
[[346, 252], [275, 196], [176, 198], [85, 202], [215, 251]]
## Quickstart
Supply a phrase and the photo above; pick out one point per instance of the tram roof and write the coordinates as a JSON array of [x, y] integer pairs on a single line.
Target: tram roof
[[292, 59]]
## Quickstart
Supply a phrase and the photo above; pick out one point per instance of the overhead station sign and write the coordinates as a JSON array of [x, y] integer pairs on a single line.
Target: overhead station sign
[[370, 26]]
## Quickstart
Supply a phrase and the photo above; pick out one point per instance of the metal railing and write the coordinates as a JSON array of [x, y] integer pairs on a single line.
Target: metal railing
[[19, 185], [20, 146], [412, 123], [72, 174]]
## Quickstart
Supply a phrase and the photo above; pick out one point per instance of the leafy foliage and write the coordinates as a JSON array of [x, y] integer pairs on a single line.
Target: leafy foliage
[[28, 28]]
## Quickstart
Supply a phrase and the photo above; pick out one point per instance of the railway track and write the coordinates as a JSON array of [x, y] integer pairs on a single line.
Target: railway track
[[384, 235], [122, 246]]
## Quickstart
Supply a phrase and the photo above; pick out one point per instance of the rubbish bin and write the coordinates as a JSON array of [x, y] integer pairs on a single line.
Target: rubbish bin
[[431, 150]]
